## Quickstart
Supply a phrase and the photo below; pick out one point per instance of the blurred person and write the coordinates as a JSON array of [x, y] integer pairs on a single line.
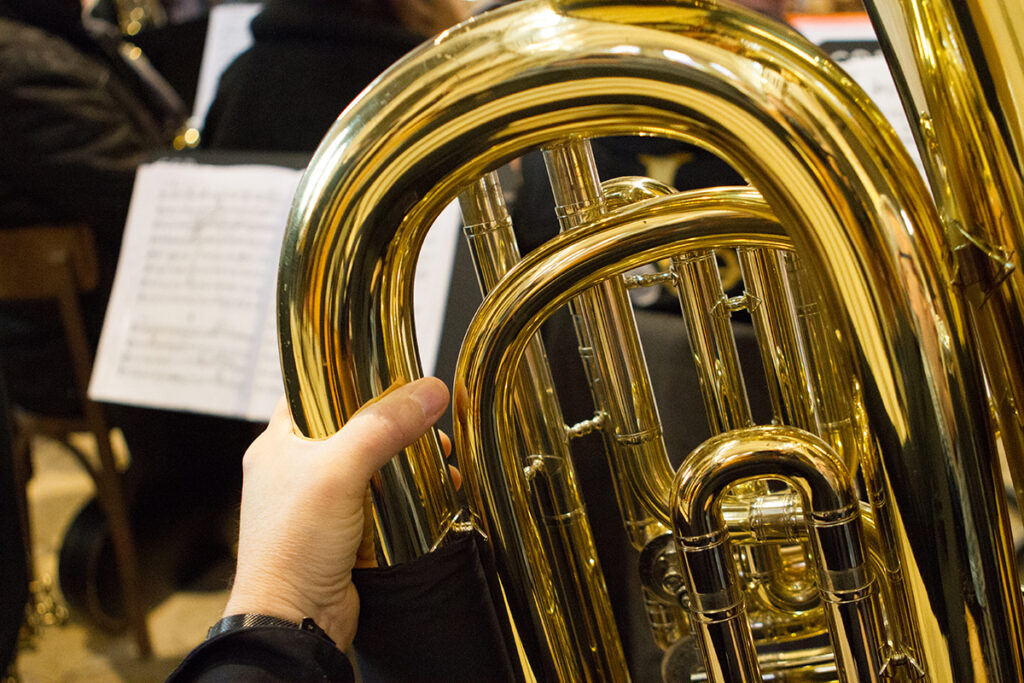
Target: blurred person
[[79, 111], [309, 59], [76, 118], [14, 558]]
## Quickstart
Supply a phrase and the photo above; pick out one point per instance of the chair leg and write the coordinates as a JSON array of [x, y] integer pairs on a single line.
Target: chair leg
[[110, 494], [22, 455]]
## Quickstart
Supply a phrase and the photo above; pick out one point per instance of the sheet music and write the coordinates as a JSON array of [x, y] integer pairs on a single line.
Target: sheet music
[[191, 323], [188, 319], [227, 36]]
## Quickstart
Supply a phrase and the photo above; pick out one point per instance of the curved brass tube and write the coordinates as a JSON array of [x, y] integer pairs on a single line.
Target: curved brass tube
[[961, 79], [831, 508]]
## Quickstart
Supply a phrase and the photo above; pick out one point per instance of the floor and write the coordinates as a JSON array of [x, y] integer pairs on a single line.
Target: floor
[[73, 651]]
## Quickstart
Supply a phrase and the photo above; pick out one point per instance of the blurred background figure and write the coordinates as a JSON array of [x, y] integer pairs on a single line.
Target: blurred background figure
[[77, 116], [80, 109], [309, 59]]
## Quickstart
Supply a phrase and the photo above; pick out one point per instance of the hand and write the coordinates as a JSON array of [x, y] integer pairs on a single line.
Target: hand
[[302, 519]]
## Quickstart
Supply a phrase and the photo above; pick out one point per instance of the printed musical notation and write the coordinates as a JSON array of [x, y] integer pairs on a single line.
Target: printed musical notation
[[192, 305], [191, 320]]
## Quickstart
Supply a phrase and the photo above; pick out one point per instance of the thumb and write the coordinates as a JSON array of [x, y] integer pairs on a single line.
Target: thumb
[[383, 427]]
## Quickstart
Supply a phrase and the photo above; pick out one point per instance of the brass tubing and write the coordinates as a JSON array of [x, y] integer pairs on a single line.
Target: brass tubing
[[771, 310], [773, 313], [492, 243], [781, 586], [830, 375], [498, 335], [961, 79], [553, 486], [709, 326], [775, 517], [488, 230], [762, 98], [781, 663], [831, 510], [962, 83], [718, 616], [609, 341], [841, 413], [699, 287], [663, 619]]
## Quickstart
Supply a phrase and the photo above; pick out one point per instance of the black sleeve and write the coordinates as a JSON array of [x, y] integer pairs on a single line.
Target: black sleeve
[[431, 619], [262, 654]]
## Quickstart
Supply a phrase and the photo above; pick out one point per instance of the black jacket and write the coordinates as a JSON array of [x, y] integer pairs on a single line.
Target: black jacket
[[309, 59], [76, 122]]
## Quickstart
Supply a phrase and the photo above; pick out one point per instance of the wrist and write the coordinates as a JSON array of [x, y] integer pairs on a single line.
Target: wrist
[[278, 604]]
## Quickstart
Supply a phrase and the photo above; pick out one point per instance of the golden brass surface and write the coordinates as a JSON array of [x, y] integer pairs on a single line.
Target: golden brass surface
[[888, 316]]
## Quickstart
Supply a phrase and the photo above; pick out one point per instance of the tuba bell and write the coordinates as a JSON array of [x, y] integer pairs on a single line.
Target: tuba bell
[[863, 534]]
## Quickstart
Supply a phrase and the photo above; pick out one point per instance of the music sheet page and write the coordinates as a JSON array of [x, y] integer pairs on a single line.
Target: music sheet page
[[191, 313], [191, 324]]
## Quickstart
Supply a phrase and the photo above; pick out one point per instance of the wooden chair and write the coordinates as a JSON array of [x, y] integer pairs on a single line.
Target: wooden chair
[[59, 263]]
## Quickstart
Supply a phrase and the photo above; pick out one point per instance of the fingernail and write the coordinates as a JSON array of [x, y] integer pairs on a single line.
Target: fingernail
[[431, 399]]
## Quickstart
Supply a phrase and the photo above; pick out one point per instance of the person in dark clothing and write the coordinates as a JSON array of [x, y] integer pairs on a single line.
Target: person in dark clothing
[[293, 606], [309, 59], [76, 118], [14, 570], [79, 111]]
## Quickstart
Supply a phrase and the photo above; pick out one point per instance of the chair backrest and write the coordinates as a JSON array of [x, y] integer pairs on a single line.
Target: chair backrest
[[56, 262], [38, 262]]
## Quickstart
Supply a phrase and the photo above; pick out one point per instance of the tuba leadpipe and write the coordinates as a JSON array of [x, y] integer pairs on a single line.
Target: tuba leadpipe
[[891, 380]]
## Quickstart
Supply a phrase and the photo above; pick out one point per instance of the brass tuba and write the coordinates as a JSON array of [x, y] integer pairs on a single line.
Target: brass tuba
[[864, 533]]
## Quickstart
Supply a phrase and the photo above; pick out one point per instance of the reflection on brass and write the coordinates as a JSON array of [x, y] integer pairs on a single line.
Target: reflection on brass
[[863, 534]]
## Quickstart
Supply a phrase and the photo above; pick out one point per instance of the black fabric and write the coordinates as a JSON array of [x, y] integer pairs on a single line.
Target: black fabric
[[309, 59], [264, 654], [432, 619], [176, 51]]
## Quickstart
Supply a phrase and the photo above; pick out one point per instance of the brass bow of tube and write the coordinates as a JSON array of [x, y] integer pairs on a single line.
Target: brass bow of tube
[[832, 513], [889, 331]]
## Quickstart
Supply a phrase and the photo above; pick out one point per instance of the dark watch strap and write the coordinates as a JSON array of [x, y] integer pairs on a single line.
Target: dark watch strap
[[235, 622]]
